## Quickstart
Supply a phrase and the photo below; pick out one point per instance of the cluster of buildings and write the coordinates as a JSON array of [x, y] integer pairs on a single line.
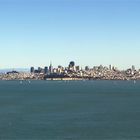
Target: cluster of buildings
[[73, 72], [50, 70], [76, 72], [59, 72], [14, 75]]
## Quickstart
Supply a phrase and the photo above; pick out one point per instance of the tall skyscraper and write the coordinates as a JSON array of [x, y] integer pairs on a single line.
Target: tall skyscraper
[[72, 65], [32, 70], [110, 67], [39, 69], [86, 68], [51, 68], [46, 70], [133, 68]]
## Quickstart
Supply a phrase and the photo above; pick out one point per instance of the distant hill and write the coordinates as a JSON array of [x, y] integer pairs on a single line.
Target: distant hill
[[15, 69]]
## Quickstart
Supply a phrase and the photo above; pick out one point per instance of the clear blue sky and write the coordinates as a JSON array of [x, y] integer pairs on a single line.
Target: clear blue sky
[[90, 32]]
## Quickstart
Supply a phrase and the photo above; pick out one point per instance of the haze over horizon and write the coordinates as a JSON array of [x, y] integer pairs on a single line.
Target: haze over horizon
[[89, 32]]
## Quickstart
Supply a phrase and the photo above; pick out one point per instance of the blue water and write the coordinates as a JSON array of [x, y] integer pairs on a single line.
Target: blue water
[[77, 110]]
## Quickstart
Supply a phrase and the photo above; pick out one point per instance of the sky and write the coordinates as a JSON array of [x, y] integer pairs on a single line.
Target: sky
[[89, 32]]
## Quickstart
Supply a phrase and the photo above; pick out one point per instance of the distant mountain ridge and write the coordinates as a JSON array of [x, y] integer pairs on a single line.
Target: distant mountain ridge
[[15, 69]]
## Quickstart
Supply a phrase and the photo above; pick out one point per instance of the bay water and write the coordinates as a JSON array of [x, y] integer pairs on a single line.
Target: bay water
[[79, 110]]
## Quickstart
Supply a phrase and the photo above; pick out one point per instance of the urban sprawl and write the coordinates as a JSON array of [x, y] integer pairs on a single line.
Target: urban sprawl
[[73, 72]]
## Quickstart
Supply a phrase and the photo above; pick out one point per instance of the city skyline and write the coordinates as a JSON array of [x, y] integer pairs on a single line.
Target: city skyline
[[90, 32], [72, 72], [53, 67]]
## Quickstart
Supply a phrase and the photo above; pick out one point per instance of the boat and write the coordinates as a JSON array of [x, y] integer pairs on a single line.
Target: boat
[[134, 81]]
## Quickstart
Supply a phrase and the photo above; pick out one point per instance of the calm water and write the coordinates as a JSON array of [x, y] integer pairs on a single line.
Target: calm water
[[96, 110]]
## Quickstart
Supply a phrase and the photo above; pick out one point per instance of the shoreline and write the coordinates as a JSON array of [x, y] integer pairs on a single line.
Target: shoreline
[[69, 79]]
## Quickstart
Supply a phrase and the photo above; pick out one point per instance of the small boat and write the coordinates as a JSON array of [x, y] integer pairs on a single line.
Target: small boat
[[134, 81]]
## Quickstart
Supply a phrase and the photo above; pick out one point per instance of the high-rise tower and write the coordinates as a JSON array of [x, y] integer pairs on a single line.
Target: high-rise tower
[[51, 68]]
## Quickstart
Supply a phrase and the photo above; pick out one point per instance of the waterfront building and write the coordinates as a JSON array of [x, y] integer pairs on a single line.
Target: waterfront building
[[60, 69], [55, 70]]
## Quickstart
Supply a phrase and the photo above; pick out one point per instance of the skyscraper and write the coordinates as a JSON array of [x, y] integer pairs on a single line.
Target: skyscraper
[[110, 67], [86, 68], [46, 70], [32, 70], [133, 68], [50, 68], [72, 65]]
